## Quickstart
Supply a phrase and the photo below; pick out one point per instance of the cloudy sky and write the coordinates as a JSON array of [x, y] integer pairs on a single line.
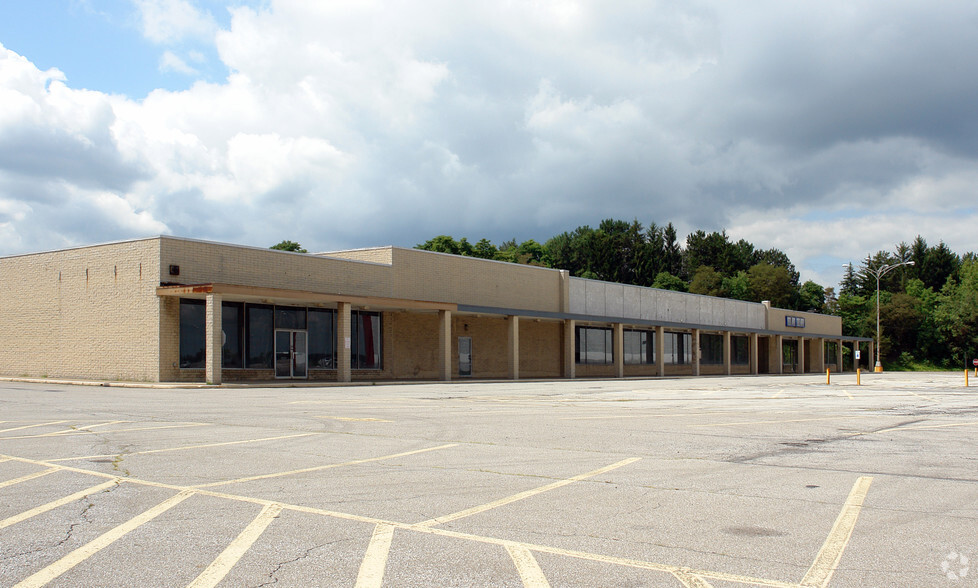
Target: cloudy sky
[[829, 129]]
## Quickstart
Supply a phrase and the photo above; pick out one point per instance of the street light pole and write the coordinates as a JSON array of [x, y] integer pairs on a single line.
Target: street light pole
[[879, 273]]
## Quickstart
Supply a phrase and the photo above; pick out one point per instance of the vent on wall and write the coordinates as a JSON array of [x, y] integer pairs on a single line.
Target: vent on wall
[[174, 270]]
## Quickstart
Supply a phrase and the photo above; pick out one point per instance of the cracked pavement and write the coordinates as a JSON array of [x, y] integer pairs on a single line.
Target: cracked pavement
[[737, 481]]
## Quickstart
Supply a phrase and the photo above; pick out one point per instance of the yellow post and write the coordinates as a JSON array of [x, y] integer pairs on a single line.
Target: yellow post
[[828, 377], [858, 372]]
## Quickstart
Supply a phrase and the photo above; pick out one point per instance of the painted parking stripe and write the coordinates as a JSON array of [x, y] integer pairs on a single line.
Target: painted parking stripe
[[84, 552], [371, 574], [325, 467], [527, 566], [354, 419], [220, 567], [523, 495], [57, 503], [830, 555], [80, 432], [187, 447], [16, 481], [691, 580], [31, 426], [83, 428]]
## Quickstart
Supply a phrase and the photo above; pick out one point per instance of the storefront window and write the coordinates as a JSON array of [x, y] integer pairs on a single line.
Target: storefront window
[[322, 339], [192, 333], [232, 325], [259, 327], [367, 343], [638, 347], [592, 345]]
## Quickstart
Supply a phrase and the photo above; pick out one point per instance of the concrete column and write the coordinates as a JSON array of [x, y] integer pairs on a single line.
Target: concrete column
[[820, 357], [660, 351], [778, 354], [445, 345], [343, 341], [213, 339], [726, 352], [618, 349], [838, 356], [513, 347], [753, 353], [569, 349], [696, 352], [801, 355]]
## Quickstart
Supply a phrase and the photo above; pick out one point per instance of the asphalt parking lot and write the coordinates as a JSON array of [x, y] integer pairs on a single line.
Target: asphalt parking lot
[[740, 481]]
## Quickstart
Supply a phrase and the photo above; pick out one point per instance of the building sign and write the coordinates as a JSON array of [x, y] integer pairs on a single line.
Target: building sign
[[794, 321]]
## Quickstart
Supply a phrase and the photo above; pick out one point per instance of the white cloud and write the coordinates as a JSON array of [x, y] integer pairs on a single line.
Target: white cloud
[[352, 124], [171, 62], [171, 21]]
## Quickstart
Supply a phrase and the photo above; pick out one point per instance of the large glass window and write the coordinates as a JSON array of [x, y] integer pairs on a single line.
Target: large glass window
[[638, 347], [592, 345], [367, 344], [232, 323], [322, 339], [712, 348], [192, 333], [290, 317], [740, 350], [677, 348], [259, 327]]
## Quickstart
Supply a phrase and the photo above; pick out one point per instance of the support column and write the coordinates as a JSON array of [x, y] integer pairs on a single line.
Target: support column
[[513, 347], [213, 339], [569, 349], [801, 355], [660, 351], [726, 352], [779, 353], [838, 356], [696, 352], [618, 349], [445, 345], [343, 335], [753, 353]]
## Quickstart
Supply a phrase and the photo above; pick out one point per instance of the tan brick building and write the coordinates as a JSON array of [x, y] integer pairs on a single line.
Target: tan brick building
[[172, 309]]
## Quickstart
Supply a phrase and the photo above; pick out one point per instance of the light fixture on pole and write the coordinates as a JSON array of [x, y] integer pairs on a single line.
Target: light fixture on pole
[[879, 273]]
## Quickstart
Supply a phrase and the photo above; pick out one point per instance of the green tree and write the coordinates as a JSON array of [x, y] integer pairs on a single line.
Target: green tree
[[737, 286], [706, 281], [667, 281], [446, 244], [900, 320], [289, 246], [812, 297], [770, 282], [956, 315]]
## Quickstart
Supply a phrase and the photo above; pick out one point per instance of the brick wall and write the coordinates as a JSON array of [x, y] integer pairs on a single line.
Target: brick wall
[[90, 312]]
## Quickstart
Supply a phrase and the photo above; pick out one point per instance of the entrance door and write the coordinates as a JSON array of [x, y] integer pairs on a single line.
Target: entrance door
[[290, 354], [465, 356]]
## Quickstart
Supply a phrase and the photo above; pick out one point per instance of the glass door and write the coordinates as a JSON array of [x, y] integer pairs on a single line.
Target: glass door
[[290, 354], [465, 356]]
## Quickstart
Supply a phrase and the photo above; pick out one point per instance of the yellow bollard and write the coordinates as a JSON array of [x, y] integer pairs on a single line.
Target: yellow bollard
[[828, 377], [858, 372]]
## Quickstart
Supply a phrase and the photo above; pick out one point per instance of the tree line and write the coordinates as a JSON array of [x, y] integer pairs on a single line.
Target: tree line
[[928, 310]]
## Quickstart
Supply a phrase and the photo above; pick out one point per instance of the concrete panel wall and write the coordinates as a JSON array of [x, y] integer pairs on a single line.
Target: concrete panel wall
[[603, 299]]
